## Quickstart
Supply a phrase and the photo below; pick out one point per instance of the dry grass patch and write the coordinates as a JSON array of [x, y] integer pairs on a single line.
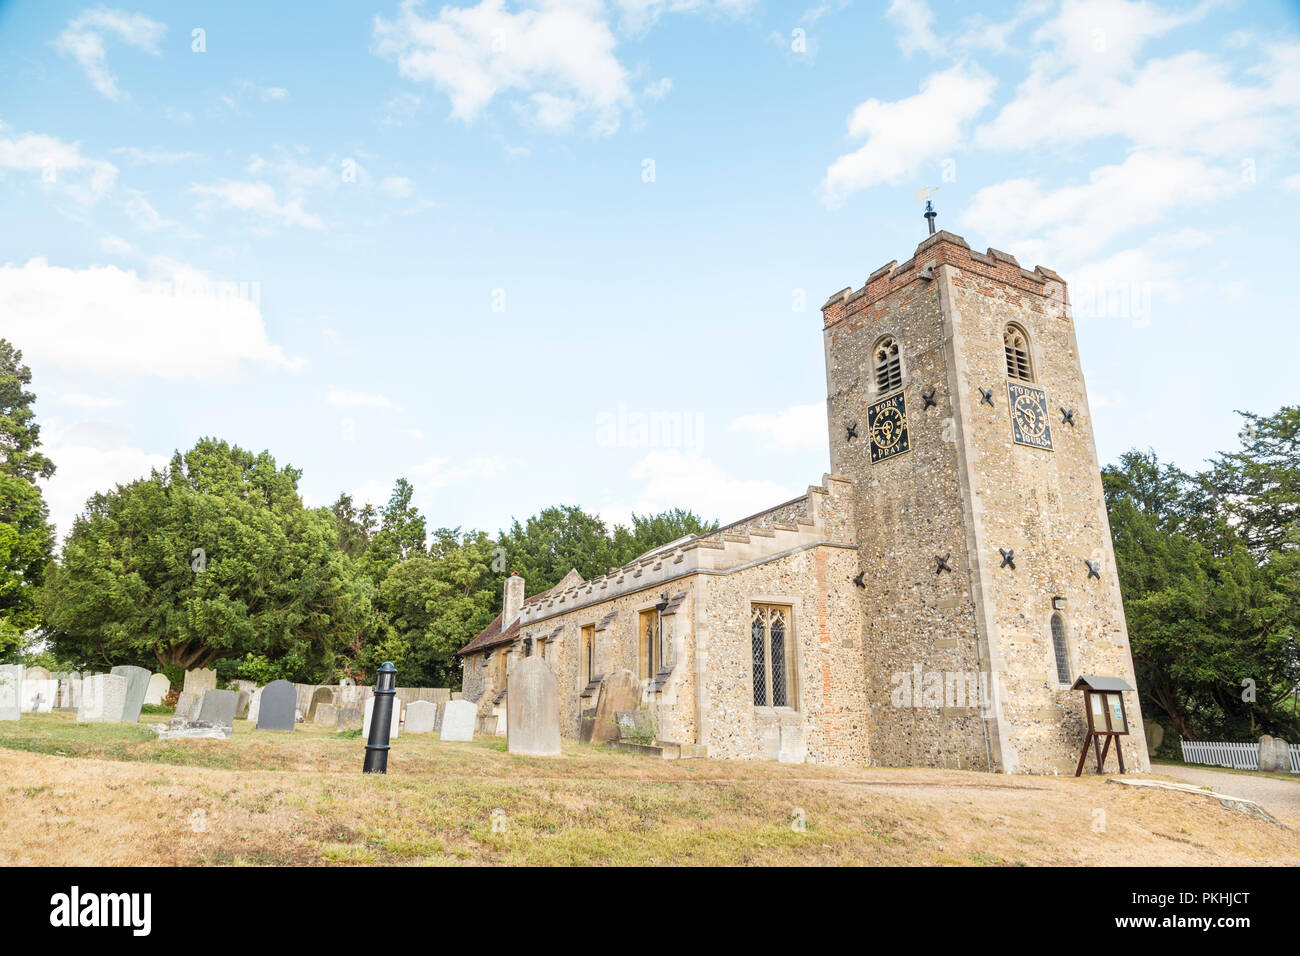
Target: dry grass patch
[[114, 796]]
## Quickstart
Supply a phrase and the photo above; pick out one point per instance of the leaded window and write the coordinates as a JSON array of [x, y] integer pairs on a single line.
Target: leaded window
[[1060, 650], [771, 649], [1016, 344], [888, 364]]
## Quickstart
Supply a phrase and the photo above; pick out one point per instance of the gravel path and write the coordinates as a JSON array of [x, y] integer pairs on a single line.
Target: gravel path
[[1269, 793]]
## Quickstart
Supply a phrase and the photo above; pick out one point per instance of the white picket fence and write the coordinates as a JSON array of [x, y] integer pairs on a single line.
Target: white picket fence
[[1220, 753]]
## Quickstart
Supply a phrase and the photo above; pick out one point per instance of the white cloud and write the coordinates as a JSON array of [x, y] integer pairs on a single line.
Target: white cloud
[[111, 322], [658, 89], [144, 215], [258, 198], [562, 53], [915, 22], [83, 40], [801, 426], [1077, 220], [342, 398], [115, 245], [435, 473], [79, 400], [58, 166], [89, 458], [153, 157], [674, 479], [1292, 182], [638, 16], [399, 187], [906, 133]]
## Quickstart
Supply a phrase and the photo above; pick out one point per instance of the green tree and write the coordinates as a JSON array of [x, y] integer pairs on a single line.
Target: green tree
[[26, 536], [356, 525], [215, 558], [654, 531], [401, 533]]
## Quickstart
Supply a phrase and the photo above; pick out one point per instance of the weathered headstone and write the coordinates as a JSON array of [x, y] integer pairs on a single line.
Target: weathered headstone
[[187, 706], [1155, 735], [321, 695], [277, 707], [533, 709], [326, 715], [348, 718], [159, 688], [458, 718], [243, 699], [137, 685], [218, 708], [11, 685], [176, 729], [103, 698], [394, 728], [245, 685], [1274, 755], [619, 690], [635, 725], [421, 717], [37, 673], [254, 705], [69, 692], [200, 680], [39, 695], [793, 747]]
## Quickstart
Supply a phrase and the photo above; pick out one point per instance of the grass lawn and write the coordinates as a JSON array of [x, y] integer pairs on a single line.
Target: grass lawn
[[103, 794]]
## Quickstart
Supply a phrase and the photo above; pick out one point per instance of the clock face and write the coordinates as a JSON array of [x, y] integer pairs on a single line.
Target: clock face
[[887, 428], [1029, 422]]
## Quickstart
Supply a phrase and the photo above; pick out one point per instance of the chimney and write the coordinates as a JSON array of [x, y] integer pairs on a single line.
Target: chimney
[[513, 600]]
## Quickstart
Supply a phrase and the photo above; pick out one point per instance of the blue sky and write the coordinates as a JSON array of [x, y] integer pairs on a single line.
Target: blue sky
[[463, 243]]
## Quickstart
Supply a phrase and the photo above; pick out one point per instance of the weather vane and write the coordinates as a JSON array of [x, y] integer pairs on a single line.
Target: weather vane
[[925, 192]]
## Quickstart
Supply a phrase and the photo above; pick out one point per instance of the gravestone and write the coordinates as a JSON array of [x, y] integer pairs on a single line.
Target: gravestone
[[635, 725], [321, 695], [37, 673], [793, 747], [254, 705], [11, 683], [421, 717], [137, 685], [1274, 755], [394, 728], [200, 680], [69, 692], [218, 708], [39, 695], [349, 718], [277, 707], [245, 685], [243, 699], [326, 715], [187, 706], [159, 688], [458, 718], [619, 690], [103, 698], [1155, 735], [533, 709], [192, 730]]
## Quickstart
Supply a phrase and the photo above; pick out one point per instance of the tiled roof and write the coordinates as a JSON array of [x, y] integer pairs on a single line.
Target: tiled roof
[[492, 635]]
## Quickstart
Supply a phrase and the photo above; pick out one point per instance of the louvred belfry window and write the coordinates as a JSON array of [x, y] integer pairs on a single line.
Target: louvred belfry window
[[1060, 650], [888, 364], [1016, 345], [771, 647]]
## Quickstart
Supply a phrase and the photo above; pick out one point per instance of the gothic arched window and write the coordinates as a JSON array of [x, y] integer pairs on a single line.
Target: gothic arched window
[[1016, 343], [887, 361], [1060, 650]]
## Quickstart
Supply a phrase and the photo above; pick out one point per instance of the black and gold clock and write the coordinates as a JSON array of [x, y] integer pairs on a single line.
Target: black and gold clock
[[887, 428], [1029, 422]]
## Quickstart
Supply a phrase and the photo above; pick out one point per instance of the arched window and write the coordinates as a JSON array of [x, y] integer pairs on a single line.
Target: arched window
[[1058, 646], [1016, 343], [888, 364]]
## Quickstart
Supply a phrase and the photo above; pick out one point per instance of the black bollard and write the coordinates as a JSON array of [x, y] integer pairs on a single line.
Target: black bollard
[[381, 720]]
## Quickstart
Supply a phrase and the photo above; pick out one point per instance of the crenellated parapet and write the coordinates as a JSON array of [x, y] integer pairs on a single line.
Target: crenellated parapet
[[942, 248]]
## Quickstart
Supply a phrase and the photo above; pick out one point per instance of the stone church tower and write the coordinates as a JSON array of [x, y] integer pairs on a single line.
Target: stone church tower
[[956, 406]]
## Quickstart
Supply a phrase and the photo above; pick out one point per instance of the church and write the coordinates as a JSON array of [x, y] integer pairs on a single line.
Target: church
[[930, 602]]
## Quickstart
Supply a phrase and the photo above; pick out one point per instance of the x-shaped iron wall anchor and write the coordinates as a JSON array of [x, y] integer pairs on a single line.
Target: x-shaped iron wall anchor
[[1067, 417], [852, 430], [858, 580], [1008, 558], [928, 397], [1094, 568], [986, 396], [941, 564]]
